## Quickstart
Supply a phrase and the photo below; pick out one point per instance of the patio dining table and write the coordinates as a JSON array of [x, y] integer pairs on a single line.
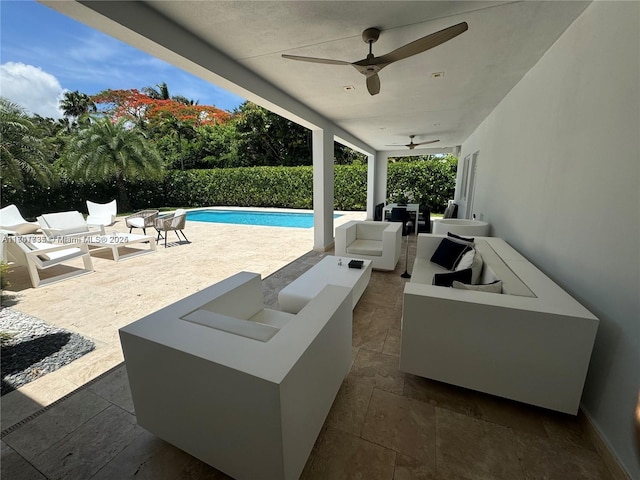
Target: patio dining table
[[412, 208]]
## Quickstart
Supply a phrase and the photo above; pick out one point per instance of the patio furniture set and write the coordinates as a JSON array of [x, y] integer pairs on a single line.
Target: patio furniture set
[[272, 375], [68, 236]]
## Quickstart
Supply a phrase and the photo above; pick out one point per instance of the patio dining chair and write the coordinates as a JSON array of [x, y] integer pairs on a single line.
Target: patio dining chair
[[400, 214], [451, 211], [142, 219], [175, 222], [424, 221], [378, 212]]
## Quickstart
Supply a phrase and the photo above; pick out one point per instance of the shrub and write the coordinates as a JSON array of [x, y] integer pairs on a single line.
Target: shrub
[[431, 182], [286, 187]]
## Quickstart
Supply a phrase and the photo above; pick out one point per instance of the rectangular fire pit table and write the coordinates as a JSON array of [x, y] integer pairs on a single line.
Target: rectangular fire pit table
[[307, 286], [114, 241]]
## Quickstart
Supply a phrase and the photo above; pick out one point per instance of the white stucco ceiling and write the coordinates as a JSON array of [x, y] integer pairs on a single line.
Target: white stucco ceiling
[[504, 40]]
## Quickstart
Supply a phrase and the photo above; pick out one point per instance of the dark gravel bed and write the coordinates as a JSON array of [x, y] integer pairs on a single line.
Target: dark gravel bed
[[32, 348]]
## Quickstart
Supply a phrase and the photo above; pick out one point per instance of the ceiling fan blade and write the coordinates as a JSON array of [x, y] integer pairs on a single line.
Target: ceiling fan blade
[[422, 44], [426, 143], [373, 84], [316, 60]]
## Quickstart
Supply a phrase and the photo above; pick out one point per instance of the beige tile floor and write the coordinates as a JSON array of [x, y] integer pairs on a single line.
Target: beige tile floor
[[384, 424]]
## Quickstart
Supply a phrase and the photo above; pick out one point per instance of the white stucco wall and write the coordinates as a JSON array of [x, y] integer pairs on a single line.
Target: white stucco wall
[[559, 178]]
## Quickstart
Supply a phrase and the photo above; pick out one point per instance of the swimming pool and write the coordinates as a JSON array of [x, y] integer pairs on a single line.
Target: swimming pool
[[253, 217]]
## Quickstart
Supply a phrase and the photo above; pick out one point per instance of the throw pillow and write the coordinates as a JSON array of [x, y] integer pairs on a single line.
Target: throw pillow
[[447, 279], [448, 253], [494, 287], [466, 260], [476, 268], [454, 237], [473, 260]]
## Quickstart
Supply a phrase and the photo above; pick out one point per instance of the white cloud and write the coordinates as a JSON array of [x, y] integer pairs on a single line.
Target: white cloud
[[32, 88]]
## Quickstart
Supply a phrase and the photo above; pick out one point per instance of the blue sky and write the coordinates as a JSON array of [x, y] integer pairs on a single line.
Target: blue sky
[[44, 53]]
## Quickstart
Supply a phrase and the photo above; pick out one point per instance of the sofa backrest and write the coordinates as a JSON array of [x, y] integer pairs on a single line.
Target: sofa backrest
[[67, 222], [494, 268], [370, 230]]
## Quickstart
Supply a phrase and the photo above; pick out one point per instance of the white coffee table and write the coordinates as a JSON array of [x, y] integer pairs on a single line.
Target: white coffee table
[[298, 293], [114, 241]]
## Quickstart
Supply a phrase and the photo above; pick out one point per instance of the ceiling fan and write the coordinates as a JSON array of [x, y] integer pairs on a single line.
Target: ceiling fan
[[371, 65], [412, 145]]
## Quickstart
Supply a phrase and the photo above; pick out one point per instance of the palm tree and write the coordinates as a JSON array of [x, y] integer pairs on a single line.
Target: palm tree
[[76, 104], [106, 151], [22, 150], [159, 92], [185, 100]]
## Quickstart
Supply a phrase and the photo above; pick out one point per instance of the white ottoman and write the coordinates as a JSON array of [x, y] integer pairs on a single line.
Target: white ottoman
[[307, 286]]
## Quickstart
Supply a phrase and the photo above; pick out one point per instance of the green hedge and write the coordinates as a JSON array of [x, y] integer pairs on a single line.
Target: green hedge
[[287, 187]]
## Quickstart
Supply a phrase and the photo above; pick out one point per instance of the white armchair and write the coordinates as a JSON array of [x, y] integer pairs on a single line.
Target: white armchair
[[256, 384], [380, 242], [102, 213]]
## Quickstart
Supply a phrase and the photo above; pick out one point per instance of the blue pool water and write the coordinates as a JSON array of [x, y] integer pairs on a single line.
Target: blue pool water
[[252, 217]]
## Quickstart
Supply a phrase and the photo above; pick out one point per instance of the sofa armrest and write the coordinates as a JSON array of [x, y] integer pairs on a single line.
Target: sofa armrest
[[345, 235], [392, 236], [393, 230]]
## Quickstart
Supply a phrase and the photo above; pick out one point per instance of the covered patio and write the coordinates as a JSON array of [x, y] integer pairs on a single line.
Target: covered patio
[[79, 422], [538, 99]]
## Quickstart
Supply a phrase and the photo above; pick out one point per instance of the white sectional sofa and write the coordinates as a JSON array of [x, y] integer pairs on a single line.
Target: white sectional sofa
[[380, 242], [532, 343]]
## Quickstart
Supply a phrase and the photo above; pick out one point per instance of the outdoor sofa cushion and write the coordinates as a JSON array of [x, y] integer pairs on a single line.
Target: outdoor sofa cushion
[[365, 247]]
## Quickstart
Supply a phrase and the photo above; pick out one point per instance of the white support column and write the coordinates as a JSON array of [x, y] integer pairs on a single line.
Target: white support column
[[322, 189], [371, 186], [381, 162], [376, 181]]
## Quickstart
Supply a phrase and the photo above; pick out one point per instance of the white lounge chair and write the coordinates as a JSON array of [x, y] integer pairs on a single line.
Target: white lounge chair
[[37, 255], [102, 213], [12, 222], [66, 224]]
